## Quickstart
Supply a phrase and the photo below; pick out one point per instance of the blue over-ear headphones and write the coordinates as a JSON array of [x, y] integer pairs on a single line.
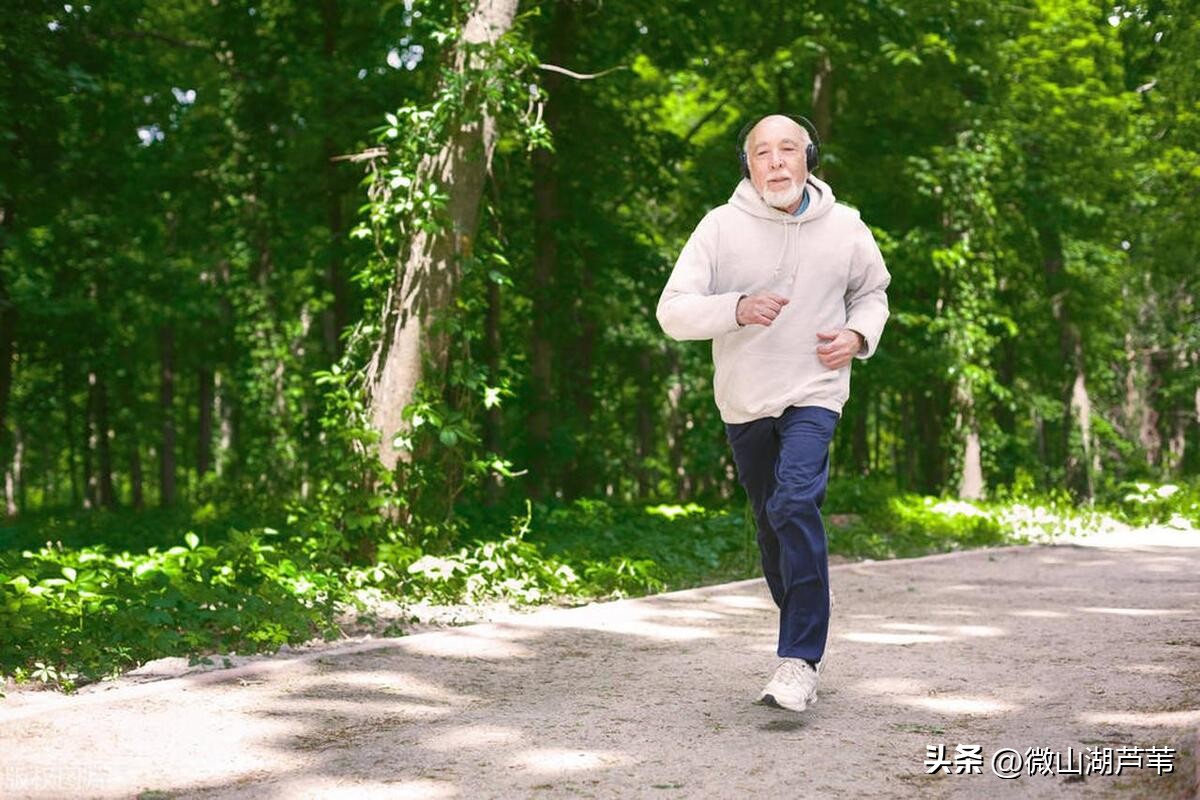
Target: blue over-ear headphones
[[812, 153]]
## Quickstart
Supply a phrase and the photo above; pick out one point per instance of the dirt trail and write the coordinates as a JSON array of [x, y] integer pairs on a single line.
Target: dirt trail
[[1051, 647]]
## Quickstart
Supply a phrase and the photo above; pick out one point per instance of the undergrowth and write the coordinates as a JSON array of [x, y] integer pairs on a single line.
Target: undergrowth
[[73, 612]]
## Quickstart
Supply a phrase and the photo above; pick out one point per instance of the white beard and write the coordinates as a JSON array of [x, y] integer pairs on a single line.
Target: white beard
[[783, 199]]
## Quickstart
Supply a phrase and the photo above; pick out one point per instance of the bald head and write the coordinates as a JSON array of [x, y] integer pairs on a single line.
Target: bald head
[[776, 126], [777, 160]]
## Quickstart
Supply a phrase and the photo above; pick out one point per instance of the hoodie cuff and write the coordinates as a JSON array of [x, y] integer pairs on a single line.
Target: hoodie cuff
[[733, 298], [866, 346]]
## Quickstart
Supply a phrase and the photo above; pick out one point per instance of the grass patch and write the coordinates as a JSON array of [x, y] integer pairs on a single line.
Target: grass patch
[[87, 596]]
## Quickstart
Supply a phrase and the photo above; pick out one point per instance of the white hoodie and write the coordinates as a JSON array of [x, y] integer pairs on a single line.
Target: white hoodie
[[825, 261]]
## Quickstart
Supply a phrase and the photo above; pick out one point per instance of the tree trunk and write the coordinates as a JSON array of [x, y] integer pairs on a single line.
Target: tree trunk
[[676, 429], [69, 435], [204, 424], [876, 429], [971, 484], [87, 439], [1076, 403], [1142, 384], [1006, 418], [105, 494], [8, 342], [428, 272], [8, 334], [579, 386], [822, 96], [166, 401], [546, 298], [931, 457], [12, 477], [223, 410], [493, 417], [136, 482], [860, 453], [226, 407], [646, 417], [1179, 422], [334, 318]]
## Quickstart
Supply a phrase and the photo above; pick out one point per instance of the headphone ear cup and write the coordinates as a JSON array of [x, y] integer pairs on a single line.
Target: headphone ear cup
[[742, 161], [812, 156]]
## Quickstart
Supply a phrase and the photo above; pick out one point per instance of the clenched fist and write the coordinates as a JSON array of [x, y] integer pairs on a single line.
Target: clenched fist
[[839, 347], [760, 309]]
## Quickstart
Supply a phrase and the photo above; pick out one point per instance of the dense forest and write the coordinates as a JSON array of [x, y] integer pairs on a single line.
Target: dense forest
[[388, 270]]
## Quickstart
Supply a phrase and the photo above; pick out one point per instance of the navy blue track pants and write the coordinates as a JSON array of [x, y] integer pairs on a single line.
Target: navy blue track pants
[[783, 464]]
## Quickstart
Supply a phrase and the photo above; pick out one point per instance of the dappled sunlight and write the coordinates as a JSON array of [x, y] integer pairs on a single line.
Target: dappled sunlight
[[357, 707], [468, 737], [954, 612], [893, 638], [978, 630], [628, 618], [891, 686], [1038, 613], [920, 633], [1167, 569], [334, 789], [960, 587], [689, 613], [1162, 559], [909, 626], [499, 631], [1135, 612], [554, 760], [916, 694], [743, 601], [456, 644], [1145, 669], [392, 681], [959, 705], [1144, 719]]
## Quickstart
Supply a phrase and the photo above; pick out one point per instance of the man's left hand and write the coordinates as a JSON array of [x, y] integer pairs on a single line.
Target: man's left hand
[[839, 347]]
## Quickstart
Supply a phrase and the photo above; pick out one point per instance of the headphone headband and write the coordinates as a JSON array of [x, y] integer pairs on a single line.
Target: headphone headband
[[812, 153]]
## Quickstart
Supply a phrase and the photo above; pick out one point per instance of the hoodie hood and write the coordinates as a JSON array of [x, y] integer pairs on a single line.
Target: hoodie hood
[[820, 201]]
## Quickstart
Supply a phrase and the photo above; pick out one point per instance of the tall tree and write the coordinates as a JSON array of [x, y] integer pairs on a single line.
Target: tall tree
[[428, 271]]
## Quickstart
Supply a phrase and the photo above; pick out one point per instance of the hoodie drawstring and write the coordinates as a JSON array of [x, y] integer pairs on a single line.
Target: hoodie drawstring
[[779, 260]]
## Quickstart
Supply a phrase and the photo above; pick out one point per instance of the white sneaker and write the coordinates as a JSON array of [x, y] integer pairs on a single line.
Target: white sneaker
[[793, 686]]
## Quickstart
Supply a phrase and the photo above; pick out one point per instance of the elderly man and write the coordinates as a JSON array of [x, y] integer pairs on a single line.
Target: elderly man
[[790, 287]]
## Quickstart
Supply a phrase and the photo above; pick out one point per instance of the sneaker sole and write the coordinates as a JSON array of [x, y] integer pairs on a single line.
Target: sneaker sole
[[769, 700]]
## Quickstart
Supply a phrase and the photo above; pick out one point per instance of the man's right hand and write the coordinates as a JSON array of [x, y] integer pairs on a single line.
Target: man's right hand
[[760, 309]]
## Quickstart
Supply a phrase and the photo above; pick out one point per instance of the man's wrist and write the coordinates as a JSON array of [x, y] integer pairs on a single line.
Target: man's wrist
[[862, 340], [737, 312]]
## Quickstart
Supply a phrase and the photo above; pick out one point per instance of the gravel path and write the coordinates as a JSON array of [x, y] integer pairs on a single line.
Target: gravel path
[[1025, 647]]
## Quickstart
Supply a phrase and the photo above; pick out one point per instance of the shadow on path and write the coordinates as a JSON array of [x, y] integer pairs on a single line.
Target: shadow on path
[[1031, 647]]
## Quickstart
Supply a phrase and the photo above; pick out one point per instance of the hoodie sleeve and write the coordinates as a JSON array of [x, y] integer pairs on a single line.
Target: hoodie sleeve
[[866, 292], [688, 309]]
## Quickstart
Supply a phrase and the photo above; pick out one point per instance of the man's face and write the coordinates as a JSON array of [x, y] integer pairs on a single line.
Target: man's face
[[777, 163]]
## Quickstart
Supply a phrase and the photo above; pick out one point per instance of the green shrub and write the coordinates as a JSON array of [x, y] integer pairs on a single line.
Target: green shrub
[[911, 525], [91, 613], [1143, 503]]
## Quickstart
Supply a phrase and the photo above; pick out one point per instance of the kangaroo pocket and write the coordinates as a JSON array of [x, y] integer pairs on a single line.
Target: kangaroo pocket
[[749, 384]]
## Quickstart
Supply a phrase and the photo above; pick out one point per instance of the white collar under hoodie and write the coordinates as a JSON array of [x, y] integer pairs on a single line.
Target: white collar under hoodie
[[825, 261]]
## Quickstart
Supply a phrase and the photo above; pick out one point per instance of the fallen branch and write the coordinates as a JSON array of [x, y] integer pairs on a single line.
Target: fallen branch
[[578, 75]]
